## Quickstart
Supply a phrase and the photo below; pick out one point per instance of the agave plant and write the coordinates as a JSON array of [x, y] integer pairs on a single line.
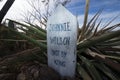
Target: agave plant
[[98, 50]]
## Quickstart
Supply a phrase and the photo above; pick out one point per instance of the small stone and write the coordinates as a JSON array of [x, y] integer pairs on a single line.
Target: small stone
[[21, 76]]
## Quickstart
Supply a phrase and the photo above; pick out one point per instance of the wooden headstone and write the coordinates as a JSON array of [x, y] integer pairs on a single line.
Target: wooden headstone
[[61, 41]]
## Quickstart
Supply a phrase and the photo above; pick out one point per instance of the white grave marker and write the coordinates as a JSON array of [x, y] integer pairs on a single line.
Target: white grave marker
[[61, 40]]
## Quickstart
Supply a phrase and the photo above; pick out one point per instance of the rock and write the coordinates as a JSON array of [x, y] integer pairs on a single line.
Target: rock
[[21, 76], [7, 76], [46, 73], [36, 71]]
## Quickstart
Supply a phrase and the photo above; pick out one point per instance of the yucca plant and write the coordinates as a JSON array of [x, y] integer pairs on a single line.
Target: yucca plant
[[98, 50]]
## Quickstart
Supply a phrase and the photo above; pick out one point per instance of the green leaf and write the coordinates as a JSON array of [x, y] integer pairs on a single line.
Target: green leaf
[[83, 72], [41, 45], [98, 40], [106, 71], [38, 32], [90, 67]]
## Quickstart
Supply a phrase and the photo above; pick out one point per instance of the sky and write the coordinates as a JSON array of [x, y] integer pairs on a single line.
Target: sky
[[111, 8]]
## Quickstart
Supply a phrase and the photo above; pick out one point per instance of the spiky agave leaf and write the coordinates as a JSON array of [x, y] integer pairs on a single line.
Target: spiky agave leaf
[[42, 45], [36, 31], [98, 50], [82, 72], [104, 46]]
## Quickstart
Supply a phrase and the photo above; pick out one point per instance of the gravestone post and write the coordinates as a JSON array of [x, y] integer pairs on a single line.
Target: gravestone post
[[61, 41]]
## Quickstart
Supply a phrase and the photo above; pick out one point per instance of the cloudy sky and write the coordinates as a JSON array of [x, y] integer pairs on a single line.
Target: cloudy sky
[[111, 8]]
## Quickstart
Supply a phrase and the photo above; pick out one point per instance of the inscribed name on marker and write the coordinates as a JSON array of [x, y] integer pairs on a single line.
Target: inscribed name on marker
[[61, 41]]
